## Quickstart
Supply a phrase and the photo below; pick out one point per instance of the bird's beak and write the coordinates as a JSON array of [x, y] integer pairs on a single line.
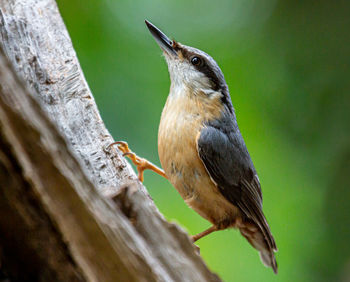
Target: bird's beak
[[163, 41]]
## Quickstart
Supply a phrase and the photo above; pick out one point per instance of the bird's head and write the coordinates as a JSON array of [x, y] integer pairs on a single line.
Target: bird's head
[[189, 67]]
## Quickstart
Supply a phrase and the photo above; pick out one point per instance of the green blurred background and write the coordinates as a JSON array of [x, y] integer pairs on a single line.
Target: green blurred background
[[287, 67]]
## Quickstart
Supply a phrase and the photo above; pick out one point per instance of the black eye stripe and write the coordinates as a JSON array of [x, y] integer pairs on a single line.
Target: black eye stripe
[[204, 67]]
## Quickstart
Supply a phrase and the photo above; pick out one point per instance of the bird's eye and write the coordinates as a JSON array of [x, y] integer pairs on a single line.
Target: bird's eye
[[196, 61]]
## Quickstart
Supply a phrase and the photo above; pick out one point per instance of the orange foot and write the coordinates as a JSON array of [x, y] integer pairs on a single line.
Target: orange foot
[[141, 163], [204, 233]]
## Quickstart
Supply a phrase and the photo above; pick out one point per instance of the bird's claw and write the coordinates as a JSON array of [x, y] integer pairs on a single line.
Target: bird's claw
[[135, 159], [141, 163], [122, 146]]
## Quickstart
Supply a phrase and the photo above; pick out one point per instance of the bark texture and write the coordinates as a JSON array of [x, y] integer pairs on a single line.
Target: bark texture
[[70, 210]]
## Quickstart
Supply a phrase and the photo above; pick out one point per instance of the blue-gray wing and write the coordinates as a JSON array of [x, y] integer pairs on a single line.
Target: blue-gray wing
[[225, 156]]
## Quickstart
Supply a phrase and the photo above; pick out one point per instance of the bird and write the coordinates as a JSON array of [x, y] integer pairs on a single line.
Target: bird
[[202, 151]]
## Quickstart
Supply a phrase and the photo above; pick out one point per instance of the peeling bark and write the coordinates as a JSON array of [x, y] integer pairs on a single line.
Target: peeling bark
[[70, 210]]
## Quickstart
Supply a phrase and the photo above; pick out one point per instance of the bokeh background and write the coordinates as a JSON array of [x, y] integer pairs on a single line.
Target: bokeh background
[[287, 67]]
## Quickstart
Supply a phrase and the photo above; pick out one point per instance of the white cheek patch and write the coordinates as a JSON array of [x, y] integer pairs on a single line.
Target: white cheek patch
[[183, 74], [210, 92]]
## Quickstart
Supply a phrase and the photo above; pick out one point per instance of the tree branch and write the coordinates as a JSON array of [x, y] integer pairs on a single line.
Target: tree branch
[[53, 216]]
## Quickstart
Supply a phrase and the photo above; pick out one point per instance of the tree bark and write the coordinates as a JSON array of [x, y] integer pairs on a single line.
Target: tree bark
[[70, 210]]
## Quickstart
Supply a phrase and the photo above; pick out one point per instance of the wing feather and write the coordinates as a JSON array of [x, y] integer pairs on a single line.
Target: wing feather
[[228, 163]]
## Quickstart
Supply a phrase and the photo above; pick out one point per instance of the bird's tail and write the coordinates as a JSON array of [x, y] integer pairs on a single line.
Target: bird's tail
[[263, 241]]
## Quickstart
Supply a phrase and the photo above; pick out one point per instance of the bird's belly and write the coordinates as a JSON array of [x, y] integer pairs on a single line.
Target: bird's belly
[[177, 146]]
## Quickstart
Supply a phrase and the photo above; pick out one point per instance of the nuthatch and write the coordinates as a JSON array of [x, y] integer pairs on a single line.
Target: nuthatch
[[202, 150]]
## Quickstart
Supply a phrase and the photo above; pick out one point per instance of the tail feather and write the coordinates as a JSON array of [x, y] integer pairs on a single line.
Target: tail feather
[[268, 259], [257, 239]]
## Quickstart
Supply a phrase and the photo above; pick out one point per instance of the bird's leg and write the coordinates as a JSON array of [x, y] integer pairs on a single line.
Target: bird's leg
[[141, 163], [204, 233]]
